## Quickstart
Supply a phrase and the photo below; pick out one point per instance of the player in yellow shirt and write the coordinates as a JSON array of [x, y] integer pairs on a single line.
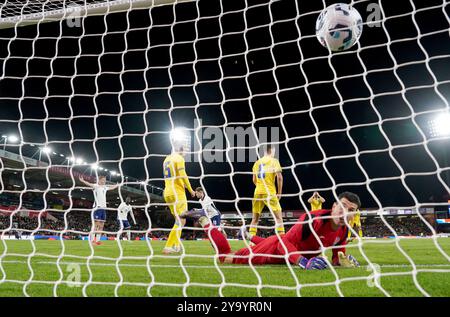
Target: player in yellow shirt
[[176, 182], [316, 201], [355, 223], [265, 171]]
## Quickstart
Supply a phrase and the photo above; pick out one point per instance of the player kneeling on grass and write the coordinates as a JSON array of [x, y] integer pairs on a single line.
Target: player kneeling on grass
[[122, 216], [299, 242]]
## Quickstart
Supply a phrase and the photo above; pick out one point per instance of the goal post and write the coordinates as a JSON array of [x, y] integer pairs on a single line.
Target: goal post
[[16, 14]]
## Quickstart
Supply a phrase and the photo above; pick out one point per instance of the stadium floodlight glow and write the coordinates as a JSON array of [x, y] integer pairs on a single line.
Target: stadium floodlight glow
[[178, 134], [94, 166], [113, 173], [79, 160], [440, 125], [46, 150], [71, 159], [12, 138], [143, 182], [100, 168]]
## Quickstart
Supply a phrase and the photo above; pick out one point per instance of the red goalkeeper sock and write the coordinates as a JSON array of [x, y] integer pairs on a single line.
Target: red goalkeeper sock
[[218, 239]]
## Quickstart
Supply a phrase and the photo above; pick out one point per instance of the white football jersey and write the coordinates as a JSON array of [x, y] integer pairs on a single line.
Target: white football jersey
[[208, 206], [122, 212], [100, 196]]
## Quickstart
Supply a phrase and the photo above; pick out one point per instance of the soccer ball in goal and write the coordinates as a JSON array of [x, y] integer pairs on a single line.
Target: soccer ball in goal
[[339, 27]]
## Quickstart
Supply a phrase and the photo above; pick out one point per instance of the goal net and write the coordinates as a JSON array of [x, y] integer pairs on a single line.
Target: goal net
[[101, 88]]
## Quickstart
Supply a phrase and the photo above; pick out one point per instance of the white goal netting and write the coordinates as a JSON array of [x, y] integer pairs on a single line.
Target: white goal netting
[[91, 88]]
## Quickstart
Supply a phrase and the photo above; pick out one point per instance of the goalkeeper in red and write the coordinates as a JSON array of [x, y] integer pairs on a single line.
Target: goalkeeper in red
[[300, 242]]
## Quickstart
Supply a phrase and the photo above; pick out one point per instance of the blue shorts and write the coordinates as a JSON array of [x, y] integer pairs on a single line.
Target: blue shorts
[[100, 215], [216, 220], [124, 224]]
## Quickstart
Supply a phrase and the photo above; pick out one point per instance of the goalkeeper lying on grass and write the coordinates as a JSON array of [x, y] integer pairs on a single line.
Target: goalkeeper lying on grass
[[299, 242]]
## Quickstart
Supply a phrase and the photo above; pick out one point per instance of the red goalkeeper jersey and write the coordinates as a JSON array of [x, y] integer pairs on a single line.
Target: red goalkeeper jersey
[[298, 241]]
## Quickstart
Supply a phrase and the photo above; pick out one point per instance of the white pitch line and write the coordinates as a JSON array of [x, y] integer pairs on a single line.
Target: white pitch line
[[205, 266]]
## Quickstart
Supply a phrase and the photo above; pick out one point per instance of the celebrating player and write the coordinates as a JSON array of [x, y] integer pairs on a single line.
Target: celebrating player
[[355, 224], [99, 214], [316, 201], [299, 243], [265, 170], [122, 216], [176, 182]]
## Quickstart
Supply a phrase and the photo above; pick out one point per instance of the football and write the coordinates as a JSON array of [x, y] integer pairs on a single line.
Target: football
[[339, 27]]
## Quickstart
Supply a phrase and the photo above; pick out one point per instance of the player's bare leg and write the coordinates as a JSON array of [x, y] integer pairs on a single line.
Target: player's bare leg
[[94, 232], [98, 229]]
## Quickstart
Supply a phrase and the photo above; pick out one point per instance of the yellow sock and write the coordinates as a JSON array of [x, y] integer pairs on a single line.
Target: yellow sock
[[173, 237], [280, 230], [178, 238], [360, 233], [253, 231]]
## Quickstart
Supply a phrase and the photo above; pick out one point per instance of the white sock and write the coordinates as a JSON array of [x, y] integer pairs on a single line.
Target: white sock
[[99, 236], [129, 235]]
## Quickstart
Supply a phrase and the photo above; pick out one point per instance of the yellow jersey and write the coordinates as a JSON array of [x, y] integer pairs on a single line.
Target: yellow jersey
[[316, 204], [175, 177], [356, 221], [265, 170]]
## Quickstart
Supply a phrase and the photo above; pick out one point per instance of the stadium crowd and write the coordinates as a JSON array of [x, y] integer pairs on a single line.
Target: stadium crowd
[[79, 223], [403, 226]]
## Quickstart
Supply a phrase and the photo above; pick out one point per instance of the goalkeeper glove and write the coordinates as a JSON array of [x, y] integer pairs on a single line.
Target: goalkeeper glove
[[315, 263], [347, 260]]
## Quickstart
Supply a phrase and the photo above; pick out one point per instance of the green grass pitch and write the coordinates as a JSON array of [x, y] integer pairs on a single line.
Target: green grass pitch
[[137, 268]]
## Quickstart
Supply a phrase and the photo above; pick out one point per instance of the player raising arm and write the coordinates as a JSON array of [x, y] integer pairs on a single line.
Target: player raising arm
[[122, 216], [176, 182], [316, 201], [299, 243], [99, 211], [265, 170]]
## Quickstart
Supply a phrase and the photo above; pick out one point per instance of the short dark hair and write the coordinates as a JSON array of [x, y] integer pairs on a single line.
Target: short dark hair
[[351, 197], [180, 148], [268, 148], [199, 189]]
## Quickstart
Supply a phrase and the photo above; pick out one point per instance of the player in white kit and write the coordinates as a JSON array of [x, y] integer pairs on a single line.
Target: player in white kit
[[122, 216], [208, 209], [99, 212]]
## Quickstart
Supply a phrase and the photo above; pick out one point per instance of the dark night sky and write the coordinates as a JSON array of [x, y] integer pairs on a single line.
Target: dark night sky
[[114, 87]]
